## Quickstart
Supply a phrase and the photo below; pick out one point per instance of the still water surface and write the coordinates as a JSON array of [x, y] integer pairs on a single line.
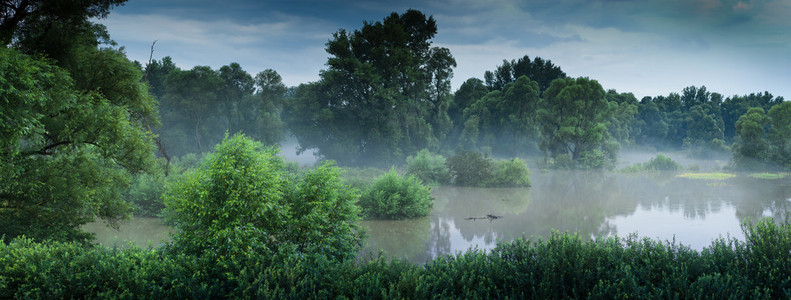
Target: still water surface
[[593, 204]]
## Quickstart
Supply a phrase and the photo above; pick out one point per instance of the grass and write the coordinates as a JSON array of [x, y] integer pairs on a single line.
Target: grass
[[768, 175], [707, 176]]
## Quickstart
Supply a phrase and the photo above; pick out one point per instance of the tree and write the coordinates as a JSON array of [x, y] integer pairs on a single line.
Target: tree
[[236, 85], [780, 133], [242, 201], [573, 116], [189, 109], [750, 150], [382, 96], [67, 153], [539, 70], [503, 121]]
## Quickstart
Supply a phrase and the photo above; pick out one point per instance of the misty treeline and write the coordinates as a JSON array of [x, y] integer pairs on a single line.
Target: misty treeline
[[386, 94]]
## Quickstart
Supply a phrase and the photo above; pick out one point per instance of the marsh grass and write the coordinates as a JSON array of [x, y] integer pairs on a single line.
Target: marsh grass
[[768, 176], [707, 176]]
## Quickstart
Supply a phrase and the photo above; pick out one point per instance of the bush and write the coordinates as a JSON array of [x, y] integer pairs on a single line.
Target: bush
[[396, 197], [428, 167], [658, 163], [145, 194], [510, 173], [476, 169], [562, 266], [361, 177], [241, 201], [470, 168]]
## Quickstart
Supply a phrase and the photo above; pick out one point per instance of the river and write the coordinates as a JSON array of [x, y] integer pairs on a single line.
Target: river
[[661, 206]]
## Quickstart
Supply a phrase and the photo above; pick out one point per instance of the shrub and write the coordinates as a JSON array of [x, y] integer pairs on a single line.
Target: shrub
[[242, 201], [476, 169], [428, 167], [392, 196], [145, 194], [361, 177], [470, 168], [658, 163], [510, 173]]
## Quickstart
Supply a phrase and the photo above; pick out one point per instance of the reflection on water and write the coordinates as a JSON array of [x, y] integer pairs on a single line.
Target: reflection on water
[[660, 206]]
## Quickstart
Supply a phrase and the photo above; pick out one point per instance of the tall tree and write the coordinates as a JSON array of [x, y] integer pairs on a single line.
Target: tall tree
[[573, 116], [780, 133], [236, 85], [189, 109], [750, 150], [539, 70], [66, 153], [381, 96]]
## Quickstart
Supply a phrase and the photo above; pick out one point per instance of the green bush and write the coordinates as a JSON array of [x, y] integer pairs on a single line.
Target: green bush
[[428, 167], [241, 200], [510, 173], [470, 168], [392, 196], [145, 194], [477, 169], [361, 177], [658, 163], [561, 266]]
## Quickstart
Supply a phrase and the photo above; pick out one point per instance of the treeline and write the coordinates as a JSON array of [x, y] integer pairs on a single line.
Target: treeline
[[386, 95]]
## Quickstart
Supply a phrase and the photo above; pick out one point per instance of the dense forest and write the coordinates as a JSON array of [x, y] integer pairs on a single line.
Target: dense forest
[[86, 134]]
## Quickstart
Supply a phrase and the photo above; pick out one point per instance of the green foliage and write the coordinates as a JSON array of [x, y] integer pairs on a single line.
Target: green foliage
[[561, 266], [428, 167], [539, 70], [50, 126], [574, 115], [242, 199], [393, 196], [384, 95], [503, 120], [658, 163], [470, 168], [780, 134], [477, 169], [361, 178], [145, 194], [510, 173]]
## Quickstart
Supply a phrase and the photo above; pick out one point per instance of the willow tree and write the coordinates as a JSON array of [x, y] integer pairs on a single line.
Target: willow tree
[[384, 95]]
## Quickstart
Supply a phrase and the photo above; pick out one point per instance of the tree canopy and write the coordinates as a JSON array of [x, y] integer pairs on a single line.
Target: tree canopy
[[384, 95], [49, 125]]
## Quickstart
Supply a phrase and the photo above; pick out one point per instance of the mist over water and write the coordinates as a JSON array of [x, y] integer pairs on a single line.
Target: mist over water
[[659, 206], [593, 204]]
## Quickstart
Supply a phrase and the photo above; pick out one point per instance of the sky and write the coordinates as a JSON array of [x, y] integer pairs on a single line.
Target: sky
[[646, 47]]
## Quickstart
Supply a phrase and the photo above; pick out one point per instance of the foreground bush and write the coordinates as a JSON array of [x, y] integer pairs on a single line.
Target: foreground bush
[[393, 196], [243, 200], [562, 266], [428, 167]]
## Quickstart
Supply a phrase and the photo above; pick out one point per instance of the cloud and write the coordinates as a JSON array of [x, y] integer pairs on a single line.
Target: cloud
[[647, 47], [292, 46]]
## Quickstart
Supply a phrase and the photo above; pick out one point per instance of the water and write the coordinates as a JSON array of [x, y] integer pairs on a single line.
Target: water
[[592, 204]]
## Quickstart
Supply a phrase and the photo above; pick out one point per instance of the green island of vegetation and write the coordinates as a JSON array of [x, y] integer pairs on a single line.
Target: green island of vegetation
[[707, 176], [86, 135]]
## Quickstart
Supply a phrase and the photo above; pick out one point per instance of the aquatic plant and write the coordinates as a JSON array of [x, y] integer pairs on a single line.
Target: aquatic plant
[[392, 196], [428, 167], [707, 176]]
